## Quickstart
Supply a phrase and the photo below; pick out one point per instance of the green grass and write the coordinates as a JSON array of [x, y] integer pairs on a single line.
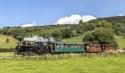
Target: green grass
[[3, 54], [120, 40], [12, 42], [105, 64]]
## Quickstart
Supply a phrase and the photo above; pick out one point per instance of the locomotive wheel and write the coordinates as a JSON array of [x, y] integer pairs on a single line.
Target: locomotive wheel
[[24, 53]]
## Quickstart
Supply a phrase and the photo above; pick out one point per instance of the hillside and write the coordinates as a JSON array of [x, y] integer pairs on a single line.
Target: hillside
[[118, 23], [10, 45], [73, 39], [121, 41], [115, 19]]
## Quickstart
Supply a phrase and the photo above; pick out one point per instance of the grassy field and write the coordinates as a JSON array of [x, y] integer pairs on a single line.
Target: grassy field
[[105, 64], [120, 40], [74, 39], [12, 42]]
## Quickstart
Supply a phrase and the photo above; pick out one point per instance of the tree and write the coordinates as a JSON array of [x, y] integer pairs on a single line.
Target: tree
[[96, 24], [99, 36], [45, 33], [7, 40], [57, 34], [81, 22], [67, 33], [20, 39], [104, 24]]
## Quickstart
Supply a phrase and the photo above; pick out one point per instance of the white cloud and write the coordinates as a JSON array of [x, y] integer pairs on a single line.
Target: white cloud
[[121, 15], [74, 19], [29, 25], [87, 18]]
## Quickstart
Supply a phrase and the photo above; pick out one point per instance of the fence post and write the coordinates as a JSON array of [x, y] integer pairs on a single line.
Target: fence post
[[6, 57], [19, 57], [37, 57]]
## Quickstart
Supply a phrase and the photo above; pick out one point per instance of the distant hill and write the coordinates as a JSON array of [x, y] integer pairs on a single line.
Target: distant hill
[[114, 19], [118, 23]]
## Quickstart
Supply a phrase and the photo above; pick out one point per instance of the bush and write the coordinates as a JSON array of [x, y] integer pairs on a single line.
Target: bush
[[7, 40], [99, 36]]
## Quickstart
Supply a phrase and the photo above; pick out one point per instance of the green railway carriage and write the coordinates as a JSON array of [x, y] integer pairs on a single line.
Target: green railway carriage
[[63, 47]]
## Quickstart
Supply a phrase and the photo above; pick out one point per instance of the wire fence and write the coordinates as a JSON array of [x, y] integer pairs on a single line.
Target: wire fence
[[13, 56]]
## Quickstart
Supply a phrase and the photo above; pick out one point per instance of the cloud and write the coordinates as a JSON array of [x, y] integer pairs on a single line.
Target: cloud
[[121, 15], [29, 25], [74, 19], [87, 18]]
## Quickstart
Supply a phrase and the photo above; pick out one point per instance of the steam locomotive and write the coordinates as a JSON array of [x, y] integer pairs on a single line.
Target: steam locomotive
[[40, 48]]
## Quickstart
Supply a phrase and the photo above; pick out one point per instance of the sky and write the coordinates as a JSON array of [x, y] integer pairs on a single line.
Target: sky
[[47, 12]]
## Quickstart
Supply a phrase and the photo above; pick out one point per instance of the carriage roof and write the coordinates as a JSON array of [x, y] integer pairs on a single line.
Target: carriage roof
[[67, 43]]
